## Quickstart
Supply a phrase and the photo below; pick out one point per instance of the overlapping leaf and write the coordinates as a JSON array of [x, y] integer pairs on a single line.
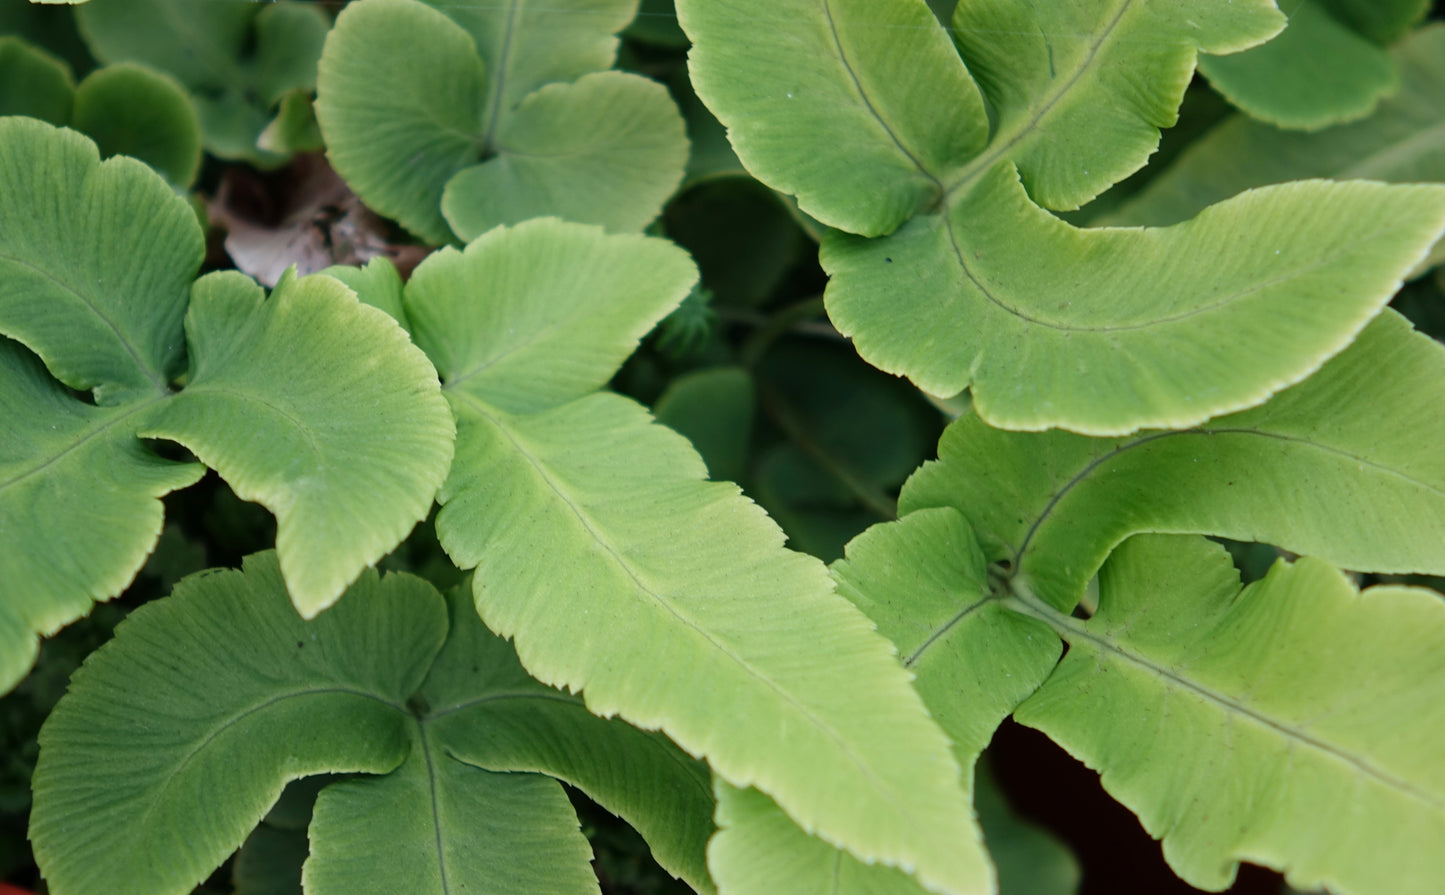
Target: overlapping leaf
[[310, 402], [1326, 67], [964, 293], [126, 109], [1344, 466], [298, 432], [238, 58], [224, 675], [600, 548], [448, 141], [1295, 724], [1402, 142]]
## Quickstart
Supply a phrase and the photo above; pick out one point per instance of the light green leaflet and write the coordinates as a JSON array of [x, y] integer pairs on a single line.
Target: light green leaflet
[[230, 695], [311, 403], [506, 115], [957, 278], [1403, 141], [1325, 68], [1296, 724], [1324, 468], [600, 548], [238, 58]]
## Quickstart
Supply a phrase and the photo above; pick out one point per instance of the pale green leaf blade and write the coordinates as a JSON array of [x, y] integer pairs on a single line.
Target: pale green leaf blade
[[1079, 90], [607, 149], [1105, 331], [649, 564], [33, 82], [483, 709], [1345, 466], [1316, 73], [319, 408], [536, 315], [437, 826], [527, 45], [759, 850], [79, 505], [132, 110], [1403, 141], [216, 697], [1295, 724], [400, 122], [95, 277], [876, 82], [923, 581]]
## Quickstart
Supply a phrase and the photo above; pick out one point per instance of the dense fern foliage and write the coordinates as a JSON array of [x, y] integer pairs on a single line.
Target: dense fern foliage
[[710, 423]]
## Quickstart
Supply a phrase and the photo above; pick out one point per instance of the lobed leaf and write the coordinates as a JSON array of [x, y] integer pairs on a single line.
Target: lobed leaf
[[1053, 325], [535, 315], [521, 131], [645, 562], [923, 581], [589, 151], [237, 57], [486, 712], [1324, 469], [97, 297], [79, 505], [1253, 725], [439, 825], [876, 81], [1079, 90], [217, 697], [652, 565], [528, 45], [318, 407], [977, 286]]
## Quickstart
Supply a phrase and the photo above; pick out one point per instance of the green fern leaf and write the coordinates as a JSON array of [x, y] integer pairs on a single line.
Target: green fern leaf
[[950, 278]]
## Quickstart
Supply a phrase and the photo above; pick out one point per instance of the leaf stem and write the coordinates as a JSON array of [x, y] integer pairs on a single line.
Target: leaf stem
[[784, 417]]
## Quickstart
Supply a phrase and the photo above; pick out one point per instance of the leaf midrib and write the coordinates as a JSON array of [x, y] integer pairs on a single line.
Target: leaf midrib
[[1074, 630], [865, 769], [1004, 143], [95, 431], [156, 378], [500, 72], [1019, 554], [868, 101]]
